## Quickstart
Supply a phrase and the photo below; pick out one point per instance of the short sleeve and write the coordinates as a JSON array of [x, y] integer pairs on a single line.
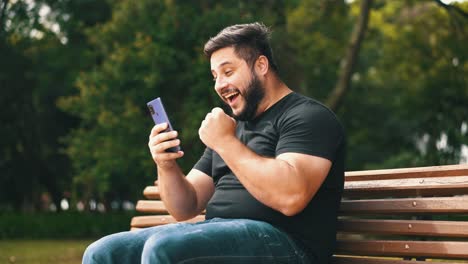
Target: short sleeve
[[311, 129], [205, 163]]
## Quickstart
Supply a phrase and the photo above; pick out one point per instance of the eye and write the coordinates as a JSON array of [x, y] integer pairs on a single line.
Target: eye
[[229, 73]]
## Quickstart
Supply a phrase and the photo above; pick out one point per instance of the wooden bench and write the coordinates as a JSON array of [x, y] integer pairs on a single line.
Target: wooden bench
[[394, 216]]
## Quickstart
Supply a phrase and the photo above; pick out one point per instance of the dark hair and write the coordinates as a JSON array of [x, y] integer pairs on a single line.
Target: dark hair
[[248, 40]]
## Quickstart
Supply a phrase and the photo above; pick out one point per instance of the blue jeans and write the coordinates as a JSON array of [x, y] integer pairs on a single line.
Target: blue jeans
[[211, 241]]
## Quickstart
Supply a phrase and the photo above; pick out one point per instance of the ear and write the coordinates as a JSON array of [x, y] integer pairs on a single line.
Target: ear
[[262, 65]]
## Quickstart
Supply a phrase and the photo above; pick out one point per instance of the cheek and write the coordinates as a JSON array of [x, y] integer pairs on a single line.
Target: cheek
[[243, 86]]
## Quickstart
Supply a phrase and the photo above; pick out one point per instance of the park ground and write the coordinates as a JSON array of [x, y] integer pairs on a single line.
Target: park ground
[[42, 251]]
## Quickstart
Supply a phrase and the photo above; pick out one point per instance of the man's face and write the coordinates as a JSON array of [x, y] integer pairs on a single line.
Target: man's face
[[236, 83]]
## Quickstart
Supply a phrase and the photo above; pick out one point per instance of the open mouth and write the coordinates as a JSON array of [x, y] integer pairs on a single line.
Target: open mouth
[[230, 97]]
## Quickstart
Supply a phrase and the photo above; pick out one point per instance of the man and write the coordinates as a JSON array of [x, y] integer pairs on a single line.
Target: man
[[270, 179]]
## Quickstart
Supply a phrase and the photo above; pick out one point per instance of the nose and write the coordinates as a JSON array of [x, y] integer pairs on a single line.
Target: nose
[[220, 84]]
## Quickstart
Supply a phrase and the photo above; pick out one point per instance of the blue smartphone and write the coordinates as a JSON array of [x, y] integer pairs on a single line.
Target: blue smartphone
[[159, 116]]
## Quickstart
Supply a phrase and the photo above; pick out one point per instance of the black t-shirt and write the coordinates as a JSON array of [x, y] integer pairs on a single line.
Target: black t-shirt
[[294, 124]]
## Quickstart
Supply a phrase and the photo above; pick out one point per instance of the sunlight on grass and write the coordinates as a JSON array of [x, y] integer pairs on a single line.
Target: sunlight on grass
[[42, 251]]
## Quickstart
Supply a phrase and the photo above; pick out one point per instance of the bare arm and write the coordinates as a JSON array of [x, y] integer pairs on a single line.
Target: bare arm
[[286, 183], [184, 197]]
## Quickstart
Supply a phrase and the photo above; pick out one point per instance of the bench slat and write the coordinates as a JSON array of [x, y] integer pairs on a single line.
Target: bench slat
[[372, 260], [432, 249], [406, 173], [407, 187], [156, 207], [152, 192], [406, 205], [404, 227], [156, 220]]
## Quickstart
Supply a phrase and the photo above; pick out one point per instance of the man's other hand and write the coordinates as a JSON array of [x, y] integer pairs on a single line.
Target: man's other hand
[[217, 128]]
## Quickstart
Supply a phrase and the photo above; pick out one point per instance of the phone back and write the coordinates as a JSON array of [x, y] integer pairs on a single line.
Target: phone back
[[158, 113], [159, 116]]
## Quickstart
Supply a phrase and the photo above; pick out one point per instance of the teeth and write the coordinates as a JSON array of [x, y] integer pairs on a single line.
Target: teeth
[[229, 95]]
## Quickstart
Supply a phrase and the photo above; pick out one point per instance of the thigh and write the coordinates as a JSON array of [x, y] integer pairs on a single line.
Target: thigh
[[223, 241], [123, 247]]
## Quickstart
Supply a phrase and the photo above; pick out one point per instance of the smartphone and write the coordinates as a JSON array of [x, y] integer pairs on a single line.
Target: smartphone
[[159, 116]]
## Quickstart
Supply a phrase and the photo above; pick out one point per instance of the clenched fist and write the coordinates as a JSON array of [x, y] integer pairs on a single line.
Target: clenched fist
[[217, 128]]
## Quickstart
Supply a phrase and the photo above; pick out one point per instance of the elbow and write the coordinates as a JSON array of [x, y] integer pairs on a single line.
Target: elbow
[[179, 217], [291, 211], [294, 205]]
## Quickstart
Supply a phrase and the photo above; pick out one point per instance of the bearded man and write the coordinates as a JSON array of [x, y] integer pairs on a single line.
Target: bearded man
[[270, 179]]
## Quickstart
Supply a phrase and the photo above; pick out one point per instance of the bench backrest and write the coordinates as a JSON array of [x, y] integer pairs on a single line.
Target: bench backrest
[[395, 215]]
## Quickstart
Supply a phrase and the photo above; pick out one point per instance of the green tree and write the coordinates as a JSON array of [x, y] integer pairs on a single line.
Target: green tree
[[410, 89], [149, 49], [41, 49]]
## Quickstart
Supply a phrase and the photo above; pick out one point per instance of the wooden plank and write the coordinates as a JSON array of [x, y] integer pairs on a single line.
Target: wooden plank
[[431, 249], [406, 205], [418, 172], [408, 192], [156, 220], [152, 192], [437, 186], [373, 260], [405, 227], [156, 207]]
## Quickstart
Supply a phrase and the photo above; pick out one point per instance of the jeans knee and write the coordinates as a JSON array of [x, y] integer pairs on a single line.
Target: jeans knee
[[94, 254], [162, 249]]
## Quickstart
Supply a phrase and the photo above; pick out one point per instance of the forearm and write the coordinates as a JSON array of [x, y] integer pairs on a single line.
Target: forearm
[[271, 181], [177, 193]]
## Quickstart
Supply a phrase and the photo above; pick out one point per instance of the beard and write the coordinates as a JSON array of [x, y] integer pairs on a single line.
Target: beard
[[254, 94]]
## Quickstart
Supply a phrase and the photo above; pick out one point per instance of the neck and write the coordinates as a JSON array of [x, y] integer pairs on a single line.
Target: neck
[[275, 90]]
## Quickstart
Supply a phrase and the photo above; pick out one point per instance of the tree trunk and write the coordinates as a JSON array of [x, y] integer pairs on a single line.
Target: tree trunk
[[335, 99]]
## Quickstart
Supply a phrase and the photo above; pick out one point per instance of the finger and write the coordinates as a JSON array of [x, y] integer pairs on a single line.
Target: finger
[[203, 123], [217, 111], [162, 147], [164, 136], [167, 156], [208, 115], [158, 128]]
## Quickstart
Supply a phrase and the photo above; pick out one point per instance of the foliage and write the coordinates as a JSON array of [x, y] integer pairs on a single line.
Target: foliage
[[317, 36], [36, 68], [413, 79], [63, 225], [408, 96], [150, 49]]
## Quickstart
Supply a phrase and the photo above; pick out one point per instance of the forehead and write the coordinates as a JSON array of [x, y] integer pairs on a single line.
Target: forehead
[[224, 56]]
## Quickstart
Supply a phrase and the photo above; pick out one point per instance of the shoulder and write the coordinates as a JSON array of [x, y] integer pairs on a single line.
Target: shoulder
[[306, 110]]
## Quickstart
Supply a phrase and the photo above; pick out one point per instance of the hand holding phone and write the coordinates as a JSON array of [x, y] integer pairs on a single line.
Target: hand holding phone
[[159, 116]]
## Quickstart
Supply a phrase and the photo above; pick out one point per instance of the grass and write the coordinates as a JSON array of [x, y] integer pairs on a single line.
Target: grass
[[42, 251]]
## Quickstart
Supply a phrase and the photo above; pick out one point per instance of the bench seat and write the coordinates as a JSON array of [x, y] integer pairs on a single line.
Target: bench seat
[[392, 216]]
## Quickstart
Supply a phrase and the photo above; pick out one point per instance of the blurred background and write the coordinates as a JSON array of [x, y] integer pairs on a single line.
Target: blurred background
[[75, 76]]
